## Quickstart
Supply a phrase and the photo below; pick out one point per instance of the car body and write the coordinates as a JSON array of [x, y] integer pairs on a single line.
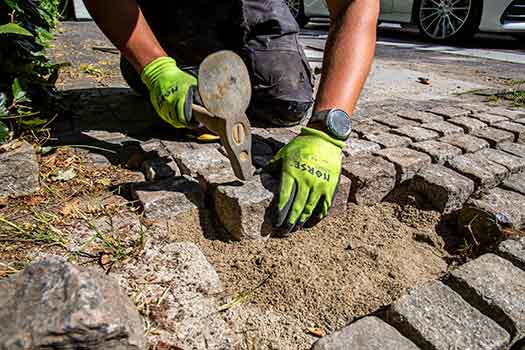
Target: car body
[[506, 16]]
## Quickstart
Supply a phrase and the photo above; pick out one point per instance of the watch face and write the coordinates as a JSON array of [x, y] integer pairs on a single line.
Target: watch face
[[339, 124]]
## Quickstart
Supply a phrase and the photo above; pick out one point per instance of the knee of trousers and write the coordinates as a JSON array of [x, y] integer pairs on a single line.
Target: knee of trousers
[[279, 111]]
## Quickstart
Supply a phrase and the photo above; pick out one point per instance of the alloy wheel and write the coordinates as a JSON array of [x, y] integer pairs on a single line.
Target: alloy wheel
[[441, 19], [295, 7]]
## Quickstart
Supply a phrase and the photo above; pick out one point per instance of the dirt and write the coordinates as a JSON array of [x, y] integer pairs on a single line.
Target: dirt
[[346, 267]]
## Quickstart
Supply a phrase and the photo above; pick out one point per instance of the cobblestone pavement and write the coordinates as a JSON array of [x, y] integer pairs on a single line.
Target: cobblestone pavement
[[455, 153], [451, 151]]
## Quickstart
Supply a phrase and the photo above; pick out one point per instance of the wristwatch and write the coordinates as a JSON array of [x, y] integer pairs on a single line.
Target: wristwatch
[[337, 122]]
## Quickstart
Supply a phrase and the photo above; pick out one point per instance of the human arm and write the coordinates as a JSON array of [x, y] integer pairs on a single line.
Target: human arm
[[170, 88], [311, 162]]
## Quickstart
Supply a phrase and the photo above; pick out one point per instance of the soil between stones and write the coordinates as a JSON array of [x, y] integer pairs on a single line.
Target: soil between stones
[[346, 267]]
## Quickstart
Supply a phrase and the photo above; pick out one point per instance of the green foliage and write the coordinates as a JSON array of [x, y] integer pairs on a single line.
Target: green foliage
[[27, 77]]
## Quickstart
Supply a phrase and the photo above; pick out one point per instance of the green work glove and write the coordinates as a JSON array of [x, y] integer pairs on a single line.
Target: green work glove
[[310, 171], [171, 90]]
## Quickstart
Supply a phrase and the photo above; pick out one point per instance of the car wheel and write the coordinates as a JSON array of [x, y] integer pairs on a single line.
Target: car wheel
[[297, 9], [448, 20]]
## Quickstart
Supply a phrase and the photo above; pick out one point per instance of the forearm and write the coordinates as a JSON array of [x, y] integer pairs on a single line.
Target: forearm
[[348, 55], [125, 26]]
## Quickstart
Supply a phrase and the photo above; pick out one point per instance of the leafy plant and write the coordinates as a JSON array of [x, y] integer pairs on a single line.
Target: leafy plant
[[27, 77]]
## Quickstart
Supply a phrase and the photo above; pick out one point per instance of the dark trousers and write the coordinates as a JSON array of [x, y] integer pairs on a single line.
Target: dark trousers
[[262, 32]]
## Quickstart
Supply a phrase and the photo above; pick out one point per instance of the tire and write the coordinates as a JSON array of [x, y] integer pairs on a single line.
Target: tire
[[448, 20], [297, 9]]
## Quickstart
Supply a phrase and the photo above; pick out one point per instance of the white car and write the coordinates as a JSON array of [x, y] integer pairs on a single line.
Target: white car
[[440, 20]]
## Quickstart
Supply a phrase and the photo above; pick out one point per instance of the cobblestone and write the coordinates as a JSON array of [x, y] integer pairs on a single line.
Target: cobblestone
[[513, 163], [407, 161], [449, 111], [369, 333], [419, 116], [436, 318], [467, 143], [468, 124], [494, 136], [513, 250], [499, 201], [443, 187], [440, 152], [443, 128], [198, 160], [340, 200], [515, 128], [244, 209], [372, 178], [168, 198], [495, 287], [516, 183], [489, 118], [394, 121], [360, 147], [416, 133], [517, 149], [388, 140], [486, 174], [369, 128], [19, 169], [509, 113]]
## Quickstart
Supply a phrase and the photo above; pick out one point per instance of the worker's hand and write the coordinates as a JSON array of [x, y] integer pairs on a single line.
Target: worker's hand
[[310, 171], [171, 90]]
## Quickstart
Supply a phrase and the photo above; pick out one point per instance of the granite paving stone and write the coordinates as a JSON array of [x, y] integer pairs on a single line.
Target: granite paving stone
[[372, 178], [368, 333], [515, 182], [167, 198], [340, 200], [443, 128], [511, 162], [514, 251], [198, 160], [517, 129], [19, 169], [443, 187], [485, 173], [369, 127], [449, 111], [517, 149], [244, 209], [435, 317], [56, 305], [407, 161], [440, 152], [520, 121], [416, 133], [494, 136], [467, 143], [419, 116], [489, 118], [388, 140], [394, 121], [468, 124], [495, 287], [357, 147], [509, 113], [500, 201]]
